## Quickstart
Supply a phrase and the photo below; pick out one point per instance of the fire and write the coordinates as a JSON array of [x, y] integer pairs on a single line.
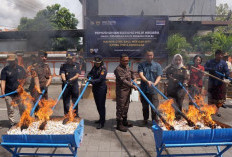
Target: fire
[[43, 113], [207, 111], [168, 110], [45, 109], [71, 114], [193, 114], [27, 100]]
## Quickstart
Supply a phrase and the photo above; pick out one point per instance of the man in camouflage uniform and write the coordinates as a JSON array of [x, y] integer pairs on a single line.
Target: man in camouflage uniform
[[41, 75], [33, 59], [123, 89]]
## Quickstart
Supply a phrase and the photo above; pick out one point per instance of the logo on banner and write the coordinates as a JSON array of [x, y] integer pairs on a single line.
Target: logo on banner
[[160, 22], [93, 51], [98, 22]]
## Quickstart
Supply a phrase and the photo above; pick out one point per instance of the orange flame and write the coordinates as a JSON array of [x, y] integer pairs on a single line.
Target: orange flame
[[45, 110], [207, 111], [168, 110], [193, 114], [71, 114], [27, 100]]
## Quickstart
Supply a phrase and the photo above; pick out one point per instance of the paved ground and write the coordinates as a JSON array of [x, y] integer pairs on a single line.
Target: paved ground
[[108, 142]]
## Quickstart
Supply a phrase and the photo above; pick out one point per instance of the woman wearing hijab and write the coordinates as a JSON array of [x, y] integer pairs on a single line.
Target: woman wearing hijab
[[196, 77], [177, 73]]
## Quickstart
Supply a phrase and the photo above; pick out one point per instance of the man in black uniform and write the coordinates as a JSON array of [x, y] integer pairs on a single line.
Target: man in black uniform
[[10, 77], [98, 75], [70, 72]]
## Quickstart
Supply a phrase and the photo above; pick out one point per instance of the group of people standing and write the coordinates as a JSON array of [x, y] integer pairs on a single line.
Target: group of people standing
[[149, 71], [13, 76]]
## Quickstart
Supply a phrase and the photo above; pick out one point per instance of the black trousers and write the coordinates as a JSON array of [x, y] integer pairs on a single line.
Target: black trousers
[[99, 93], [71, 92], [154, 100]]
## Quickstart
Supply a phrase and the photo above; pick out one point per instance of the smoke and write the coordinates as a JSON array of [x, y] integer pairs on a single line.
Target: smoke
[[12, 10]]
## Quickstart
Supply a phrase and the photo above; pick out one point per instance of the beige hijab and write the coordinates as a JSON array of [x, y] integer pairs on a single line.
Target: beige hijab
[[173, 61]]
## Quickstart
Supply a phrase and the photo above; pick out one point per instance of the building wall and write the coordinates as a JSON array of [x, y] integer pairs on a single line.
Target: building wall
[[12, 45], [150, 7]]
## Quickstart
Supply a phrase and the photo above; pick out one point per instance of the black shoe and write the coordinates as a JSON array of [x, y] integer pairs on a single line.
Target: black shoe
[[224, 106], [219, 115], [143, 123], [127, 124], [100, 125], [97, 121]]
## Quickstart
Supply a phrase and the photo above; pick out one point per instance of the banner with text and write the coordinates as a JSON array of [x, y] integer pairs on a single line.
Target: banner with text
[[112, 36]]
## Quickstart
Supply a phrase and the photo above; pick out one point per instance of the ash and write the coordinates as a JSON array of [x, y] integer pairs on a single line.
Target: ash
[[52, 128], [183, 125]]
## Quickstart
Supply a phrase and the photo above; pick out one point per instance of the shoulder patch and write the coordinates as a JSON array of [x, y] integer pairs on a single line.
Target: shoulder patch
[[103, 72]]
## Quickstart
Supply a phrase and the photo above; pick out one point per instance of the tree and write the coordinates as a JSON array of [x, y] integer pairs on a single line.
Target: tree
[[177, 44], [224, 15], [211, 42], [221, 41], [222, 9], [202, 43], [53, 17]]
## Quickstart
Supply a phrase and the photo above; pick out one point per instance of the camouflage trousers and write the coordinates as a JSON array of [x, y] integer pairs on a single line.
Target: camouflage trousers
[[122, 103]]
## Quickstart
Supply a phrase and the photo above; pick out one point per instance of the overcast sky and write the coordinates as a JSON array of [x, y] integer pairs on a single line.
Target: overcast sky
[[229, 2], [12, 10]]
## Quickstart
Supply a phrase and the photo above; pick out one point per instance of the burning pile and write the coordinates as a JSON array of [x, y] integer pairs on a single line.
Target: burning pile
[[53, 127], [182, 125], [201, 118], [29, 125]]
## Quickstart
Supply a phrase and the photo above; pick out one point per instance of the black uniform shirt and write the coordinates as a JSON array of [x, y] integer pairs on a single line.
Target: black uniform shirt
[[70, 70], [12, 77], [98, 75]]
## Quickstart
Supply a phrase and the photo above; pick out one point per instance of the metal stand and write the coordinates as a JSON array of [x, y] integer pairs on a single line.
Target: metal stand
[[13, 149], [218, 154], [13, 143]]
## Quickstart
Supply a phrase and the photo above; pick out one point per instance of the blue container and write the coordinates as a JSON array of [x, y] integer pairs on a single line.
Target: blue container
[[191, 138], [67, 140]]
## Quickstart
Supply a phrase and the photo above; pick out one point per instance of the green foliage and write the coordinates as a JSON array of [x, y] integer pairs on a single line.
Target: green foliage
[[202, 43], [177, 44], [221, 41], [53, 17]]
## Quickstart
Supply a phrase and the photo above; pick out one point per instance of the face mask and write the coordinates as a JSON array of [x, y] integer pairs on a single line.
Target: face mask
[[12, 63]]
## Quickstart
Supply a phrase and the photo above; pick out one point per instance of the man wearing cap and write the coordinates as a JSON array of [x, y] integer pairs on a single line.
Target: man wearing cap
[[123, 89], [41, 75], [11, 77], [70, 72], [98, 80]]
